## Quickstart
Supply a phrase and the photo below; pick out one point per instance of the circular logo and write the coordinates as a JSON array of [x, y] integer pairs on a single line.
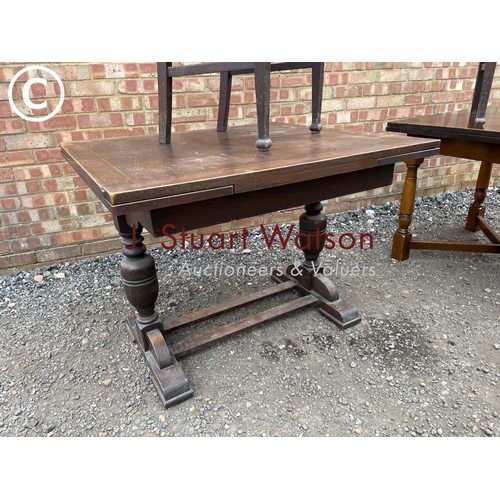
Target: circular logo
[[26, 92]]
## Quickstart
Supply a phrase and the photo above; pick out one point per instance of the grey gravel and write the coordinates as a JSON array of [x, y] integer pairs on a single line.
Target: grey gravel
[[423, 362]]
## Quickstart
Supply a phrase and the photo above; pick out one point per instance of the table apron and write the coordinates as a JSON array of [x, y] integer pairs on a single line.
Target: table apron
[[249, 204], [472, 150]]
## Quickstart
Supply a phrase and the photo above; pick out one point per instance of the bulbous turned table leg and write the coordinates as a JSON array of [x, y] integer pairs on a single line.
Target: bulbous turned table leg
[[139, 277], [402, 237], [309, 277], [140, 282], [477, 208], [312, 234]]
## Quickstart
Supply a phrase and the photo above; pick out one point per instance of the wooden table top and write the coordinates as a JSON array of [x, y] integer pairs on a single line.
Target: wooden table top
[[134, 169], [454, 125]]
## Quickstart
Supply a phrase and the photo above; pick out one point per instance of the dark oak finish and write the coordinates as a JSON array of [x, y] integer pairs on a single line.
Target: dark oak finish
[[460, 137], [262, 72], [484, 80], [198, 181]]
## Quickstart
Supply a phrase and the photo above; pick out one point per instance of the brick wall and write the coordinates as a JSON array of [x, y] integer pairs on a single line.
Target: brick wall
[[46, 211]]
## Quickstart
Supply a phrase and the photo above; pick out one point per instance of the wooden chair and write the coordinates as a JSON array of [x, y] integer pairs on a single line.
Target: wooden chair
[[262, 71]]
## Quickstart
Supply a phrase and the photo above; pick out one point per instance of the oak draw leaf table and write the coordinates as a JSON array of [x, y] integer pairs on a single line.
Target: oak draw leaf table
[[202, 179]]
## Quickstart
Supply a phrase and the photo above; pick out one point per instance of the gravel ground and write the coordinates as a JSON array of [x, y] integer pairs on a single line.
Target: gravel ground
[[424, 361]]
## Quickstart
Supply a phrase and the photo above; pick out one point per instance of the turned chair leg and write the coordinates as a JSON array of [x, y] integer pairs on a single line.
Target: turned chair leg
[[318, 71], [262, 97]]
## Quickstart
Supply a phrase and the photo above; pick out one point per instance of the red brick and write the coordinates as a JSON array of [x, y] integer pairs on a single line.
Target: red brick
[[203, 100], [138, 87], [442, 97], [58, 254], [13, 232], [63, 211], [87, 135], [4, 247], [6, 110], [79, 195], [78, 182], [294, 80], [10, 203], [6, 174], [101, 247], [33, 243], [15, 218], [354, 92], [114, 70], [121, 132], [46, 226], [54, 123], [85, 105], [81, 235], [373, 114], [47, 200], [16, 260], [140, 118], [50, 185], [7, 73], [67, 224], [91, 88], [28, 141], [4, 89], [152, 102], [83, 209], [188, 85], [361, 103], [72, 71], [100, 120], [8, 189], [31, 187], [119, 103], [34, 172], [41, 214], [12, 126], [148, 70], [48, 155]]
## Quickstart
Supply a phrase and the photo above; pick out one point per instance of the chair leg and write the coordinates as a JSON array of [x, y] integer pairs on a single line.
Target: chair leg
[[318, 71], [262, 97], [164, 102], [484, 80], [224, 100]]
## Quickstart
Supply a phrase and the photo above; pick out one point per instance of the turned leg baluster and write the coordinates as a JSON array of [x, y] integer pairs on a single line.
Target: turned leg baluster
[[138, 273], [477, 208], [140, 282], [402, 237]]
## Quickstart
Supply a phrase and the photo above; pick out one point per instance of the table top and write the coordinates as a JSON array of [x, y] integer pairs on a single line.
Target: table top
[[134, 169], [454, 125]]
